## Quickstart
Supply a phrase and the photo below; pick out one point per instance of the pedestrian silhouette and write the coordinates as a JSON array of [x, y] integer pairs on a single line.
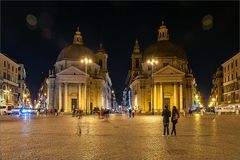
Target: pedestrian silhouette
[[166, 114], [174, 119]]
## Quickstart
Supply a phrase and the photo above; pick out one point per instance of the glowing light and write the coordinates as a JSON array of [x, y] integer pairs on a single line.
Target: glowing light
[[31, 20], [196, 96], [86, 60], [152, 61], [213, 99], [136, 101]]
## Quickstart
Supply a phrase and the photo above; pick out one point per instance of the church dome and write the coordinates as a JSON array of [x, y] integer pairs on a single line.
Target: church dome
[[76, 51], [163, 47]]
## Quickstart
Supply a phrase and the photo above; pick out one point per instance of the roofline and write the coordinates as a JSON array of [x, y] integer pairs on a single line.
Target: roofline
[[231, 59], [12, 59]]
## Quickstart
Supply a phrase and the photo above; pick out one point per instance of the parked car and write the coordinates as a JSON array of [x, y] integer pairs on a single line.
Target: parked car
[[6, 110]]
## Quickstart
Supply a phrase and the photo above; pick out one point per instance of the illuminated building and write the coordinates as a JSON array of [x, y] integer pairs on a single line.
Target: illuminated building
[[160, 76], [79, 79], [12, 81], [231, 81], [217, 88]]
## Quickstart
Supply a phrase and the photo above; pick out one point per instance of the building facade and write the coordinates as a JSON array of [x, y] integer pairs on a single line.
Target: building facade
[[160, 76], [231, 81], [79, 79], [216, 97], [12, 82]]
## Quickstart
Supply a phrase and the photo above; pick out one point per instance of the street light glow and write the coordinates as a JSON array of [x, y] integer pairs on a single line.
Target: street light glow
[[86, 60], [152, 61]]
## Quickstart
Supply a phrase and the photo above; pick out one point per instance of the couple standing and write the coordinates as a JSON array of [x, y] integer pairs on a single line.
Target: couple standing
[[166, 114]]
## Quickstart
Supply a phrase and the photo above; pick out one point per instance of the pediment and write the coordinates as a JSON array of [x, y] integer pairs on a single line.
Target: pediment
[[71, 71], [168, 70]]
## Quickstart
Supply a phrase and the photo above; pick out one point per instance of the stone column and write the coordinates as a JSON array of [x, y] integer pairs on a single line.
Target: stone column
[[175, 95], [161, 96], [155, 97], [79, 96], [60, 96], [181, 97], [66, 108]]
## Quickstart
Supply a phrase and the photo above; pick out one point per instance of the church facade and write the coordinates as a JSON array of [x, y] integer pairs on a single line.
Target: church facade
[[160, 76], [79, 79]]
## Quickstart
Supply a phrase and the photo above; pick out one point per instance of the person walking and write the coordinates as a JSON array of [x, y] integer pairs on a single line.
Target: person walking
[[130, 112], [166, 114], [133, 112], [174, 119]]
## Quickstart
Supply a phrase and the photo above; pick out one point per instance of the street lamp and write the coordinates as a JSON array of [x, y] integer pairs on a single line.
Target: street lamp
[[214, 102], [152, 62], [86, 61]]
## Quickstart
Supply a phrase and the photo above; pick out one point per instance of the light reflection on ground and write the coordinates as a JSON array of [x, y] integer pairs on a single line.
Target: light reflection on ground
[[198, 137]]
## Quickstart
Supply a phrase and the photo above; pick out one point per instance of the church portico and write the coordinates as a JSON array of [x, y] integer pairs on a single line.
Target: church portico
[[166, 93]]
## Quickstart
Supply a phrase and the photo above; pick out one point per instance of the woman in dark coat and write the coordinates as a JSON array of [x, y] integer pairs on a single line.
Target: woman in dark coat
[[174, 119]]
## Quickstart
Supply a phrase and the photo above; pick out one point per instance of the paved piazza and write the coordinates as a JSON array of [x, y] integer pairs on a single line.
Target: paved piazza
[[198, 137]]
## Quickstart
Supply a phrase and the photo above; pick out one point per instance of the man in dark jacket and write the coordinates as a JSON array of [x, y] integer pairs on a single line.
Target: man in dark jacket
[[166, 114]]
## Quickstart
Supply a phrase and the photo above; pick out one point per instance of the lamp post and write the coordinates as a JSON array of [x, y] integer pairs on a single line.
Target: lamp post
[[86, 61], [152, 62]]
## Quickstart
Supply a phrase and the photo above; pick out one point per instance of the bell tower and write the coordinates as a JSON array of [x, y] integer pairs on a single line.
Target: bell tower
[[163, 33], [136, 59], [101, 57]]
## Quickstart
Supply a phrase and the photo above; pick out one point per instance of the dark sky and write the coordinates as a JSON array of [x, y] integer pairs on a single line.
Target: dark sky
[[117, 25]]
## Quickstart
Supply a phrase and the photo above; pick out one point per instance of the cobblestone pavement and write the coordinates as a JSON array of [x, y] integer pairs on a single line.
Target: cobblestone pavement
[[43, 138]]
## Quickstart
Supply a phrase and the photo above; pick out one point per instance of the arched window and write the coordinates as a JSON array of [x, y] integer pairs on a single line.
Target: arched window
[[4, 87]]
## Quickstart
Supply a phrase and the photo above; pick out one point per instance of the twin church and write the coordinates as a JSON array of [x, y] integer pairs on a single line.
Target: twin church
[[159, 76]]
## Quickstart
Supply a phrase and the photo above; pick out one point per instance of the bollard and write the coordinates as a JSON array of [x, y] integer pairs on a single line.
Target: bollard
[[219, 113], [201, 113], [237, 112]]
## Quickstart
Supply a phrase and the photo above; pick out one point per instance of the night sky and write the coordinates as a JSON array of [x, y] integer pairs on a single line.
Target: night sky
[[117, 25]]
